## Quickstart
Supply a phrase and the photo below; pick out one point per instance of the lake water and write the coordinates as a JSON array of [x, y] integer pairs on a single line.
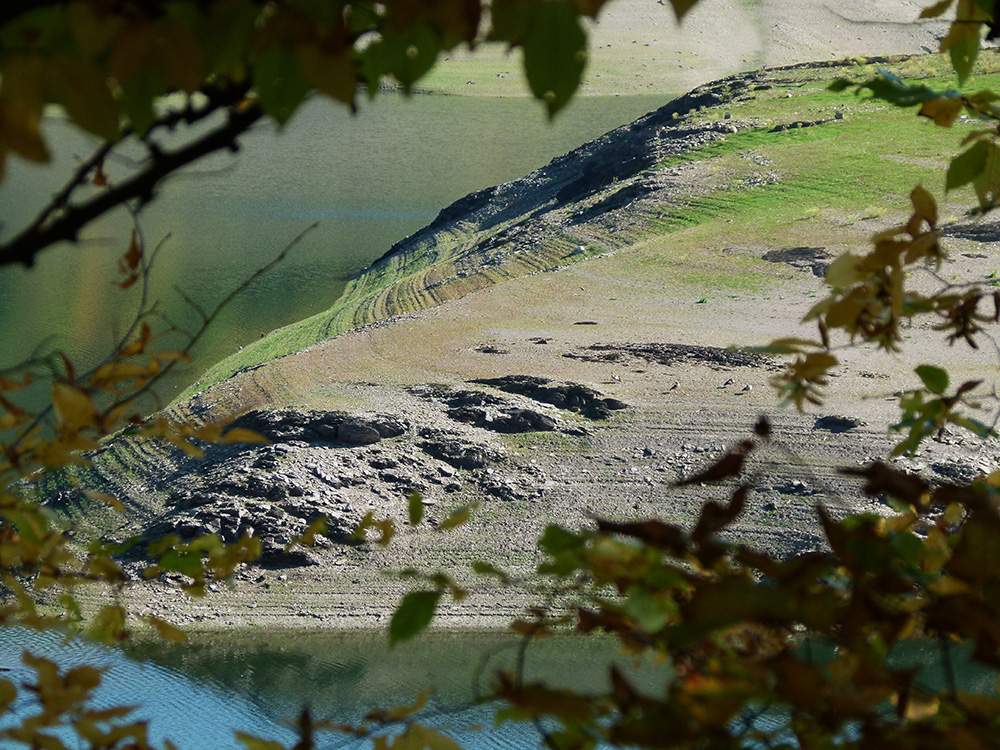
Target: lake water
[[196, 694], [369, 180]]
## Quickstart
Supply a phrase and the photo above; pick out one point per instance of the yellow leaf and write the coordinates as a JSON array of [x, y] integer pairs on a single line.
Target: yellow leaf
[[243, 435], [105, 569], [943, 110], [113, 373], [166, 631], [73, 407], [949, 586], [172, 355], [140, 344], [108, 625], [434, 740], [924, 205], [844, 271], [400, 713], [83, 678], [844, 313], [920, 707]]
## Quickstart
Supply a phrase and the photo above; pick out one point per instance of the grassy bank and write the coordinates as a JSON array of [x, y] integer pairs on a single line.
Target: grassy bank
[[841, 160]]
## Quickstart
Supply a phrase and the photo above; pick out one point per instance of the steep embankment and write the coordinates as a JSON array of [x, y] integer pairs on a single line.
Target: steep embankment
[[615, 276], [647, 179]]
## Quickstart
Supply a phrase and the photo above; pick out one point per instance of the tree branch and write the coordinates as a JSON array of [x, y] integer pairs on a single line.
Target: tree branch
[[64, 224]]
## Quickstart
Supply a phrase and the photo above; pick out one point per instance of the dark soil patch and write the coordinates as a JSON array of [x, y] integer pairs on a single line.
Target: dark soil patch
[[571, 396], [812, 259], [670, 354], [981, 230]]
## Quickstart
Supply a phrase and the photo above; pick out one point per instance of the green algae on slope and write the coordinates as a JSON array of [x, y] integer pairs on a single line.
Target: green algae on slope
[[637, 183]]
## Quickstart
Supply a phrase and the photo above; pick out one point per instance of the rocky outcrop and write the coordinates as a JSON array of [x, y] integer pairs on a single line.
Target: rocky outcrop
[[571, 396], [312, 426]]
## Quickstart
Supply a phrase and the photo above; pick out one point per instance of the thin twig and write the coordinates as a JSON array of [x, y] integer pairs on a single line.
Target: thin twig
[[64, 221]]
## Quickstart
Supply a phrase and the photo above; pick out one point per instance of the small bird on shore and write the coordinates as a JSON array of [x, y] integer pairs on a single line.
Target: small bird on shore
[[727, 383], [616, 378], [747, 388], [676, 385]]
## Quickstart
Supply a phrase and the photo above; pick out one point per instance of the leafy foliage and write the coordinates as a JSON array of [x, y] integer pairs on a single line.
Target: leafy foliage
[[229, 64], [809, 651], [813, 642]]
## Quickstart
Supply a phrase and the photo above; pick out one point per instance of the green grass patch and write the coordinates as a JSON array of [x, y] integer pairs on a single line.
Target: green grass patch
[[558, 443], [856, 168]]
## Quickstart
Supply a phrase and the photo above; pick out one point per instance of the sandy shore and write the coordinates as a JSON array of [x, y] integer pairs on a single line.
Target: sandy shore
[[638, 47]]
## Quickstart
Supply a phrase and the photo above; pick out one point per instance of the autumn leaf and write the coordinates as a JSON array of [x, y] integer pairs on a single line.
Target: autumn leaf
[[165, 630]]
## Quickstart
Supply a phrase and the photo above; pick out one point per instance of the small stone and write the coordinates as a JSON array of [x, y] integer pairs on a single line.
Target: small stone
[[357, 433]]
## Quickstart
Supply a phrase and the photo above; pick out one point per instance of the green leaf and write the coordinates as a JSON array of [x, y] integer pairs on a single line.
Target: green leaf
[[416, 508], [8, 693], [280, 83], [967, 166], [457, 518], [935, 379], [226, 35], [556, 540], [648, 612], [977, 428], [410, 54], [963, 47], [414, 614], [987, 184], [554, 53], [485, 569], [893, 89], [138, 95]]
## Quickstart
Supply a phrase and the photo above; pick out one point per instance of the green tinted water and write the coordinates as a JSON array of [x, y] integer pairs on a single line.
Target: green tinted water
[[369, 180]]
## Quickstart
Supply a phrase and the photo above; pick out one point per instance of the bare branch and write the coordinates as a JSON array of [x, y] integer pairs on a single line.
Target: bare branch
[[62, 221]]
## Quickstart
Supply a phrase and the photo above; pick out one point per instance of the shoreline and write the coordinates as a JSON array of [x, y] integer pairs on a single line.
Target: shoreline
[[693, 245]]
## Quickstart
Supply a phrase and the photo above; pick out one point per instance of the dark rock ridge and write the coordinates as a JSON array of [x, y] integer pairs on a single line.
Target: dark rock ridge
[[571, 396], [311, 426], [667, 354], [837, 423], [336, 466]]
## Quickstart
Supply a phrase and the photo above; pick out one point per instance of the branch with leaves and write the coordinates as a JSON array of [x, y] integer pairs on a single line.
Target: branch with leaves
[[108, 66]]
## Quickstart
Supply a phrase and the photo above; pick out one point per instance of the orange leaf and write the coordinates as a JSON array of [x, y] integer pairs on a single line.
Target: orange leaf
[[129, 262], [73, 407]]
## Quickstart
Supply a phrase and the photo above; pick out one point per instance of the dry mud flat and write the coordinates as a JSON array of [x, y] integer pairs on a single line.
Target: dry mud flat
[[458, 444], [425, 401]]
